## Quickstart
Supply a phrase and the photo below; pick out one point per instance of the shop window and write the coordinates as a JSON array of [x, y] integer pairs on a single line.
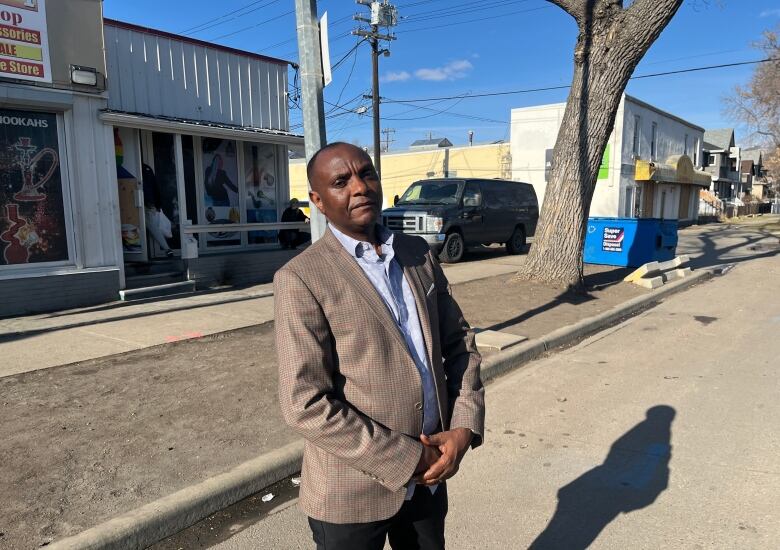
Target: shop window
[[33, 224], [654, 142], [628, 203], [261, 190], [637, 130], [191, 195], [220, 191]]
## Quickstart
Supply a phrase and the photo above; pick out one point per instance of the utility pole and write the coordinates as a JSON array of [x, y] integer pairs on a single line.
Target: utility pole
[[383, 14], [313, 107], [388, 132]]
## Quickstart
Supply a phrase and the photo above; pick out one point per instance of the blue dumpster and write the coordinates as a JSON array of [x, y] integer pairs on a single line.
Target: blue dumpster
[[630, 242]]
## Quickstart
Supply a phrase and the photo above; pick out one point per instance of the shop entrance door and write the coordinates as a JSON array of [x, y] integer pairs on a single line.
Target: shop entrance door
[[161, 195], [131, 196], [667, 204]]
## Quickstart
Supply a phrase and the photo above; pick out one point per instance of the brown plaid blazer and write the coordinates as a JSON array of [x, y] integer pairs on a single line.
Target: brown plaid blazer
[[348, 385]]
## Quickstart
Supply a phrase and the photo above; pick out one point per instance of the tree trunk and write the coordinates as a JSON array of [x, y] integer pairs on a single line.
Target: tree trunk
[[612, 40]]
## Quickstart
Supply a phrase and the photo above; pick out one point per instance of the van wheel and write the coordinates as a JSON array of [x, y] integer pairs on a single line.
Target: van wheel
[[453, 249], [516, 243]]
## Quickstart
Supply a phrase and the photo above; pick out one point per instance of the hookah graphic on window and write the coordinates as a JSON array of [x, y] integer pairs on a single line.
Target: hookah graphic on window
[[32, 218], [28, 161]]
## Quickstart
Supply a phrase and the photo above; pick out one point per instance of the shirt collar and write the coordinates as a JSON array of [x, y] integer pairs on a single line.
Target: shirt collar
[[357, 248]]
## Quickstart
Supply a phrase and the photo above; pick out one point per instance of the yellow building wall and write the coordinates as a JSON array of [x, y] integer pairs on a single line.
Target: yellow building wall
[[400, 170]]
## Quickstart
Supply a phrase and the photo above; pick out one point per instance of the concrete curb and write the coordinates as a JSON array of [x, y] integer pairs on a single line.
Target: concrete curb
[[162, 518]]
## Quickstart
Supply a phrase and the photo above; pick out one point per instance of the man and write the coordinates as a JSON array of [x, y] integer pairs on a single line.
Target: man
[[293, 238], [378, 370]]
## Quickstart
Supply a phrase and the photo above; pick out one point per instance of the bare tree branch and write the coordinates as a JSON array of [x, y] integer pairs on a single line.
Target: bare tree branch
[[575, 8], [645, 19]]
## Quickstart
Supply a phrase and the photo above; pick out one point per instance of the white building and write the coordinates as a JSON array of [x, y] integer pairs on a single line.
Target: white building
[[651, 163]]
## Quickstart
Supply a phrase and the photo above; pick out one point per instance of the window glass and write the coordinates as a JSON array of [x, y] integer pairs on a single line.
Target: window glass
[[165, 193], [653, 141], [432, 192], [191, 196], [221, 190], [637, 128], [472, 195], [492, 195], [261, 189], [32, 204]]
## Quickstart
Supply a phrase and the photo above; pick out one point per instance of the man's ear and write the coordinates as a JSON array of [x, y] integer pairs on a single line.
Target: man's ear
[[317, 200]]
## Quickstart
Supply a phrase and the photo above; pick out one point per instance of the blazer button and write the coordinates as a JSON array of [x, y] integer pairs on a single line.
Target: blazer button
[[418, 406]]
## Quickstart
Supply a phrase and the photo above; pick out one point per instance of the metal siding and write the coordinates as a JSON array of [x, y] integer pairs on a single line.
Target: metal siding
[[236, 91], [189, 101], [153, 77], [246, 93], [204, 108], [137, 66], [262, 83], [170, 84], [94, 200], [284, 102], [113, 68], [224, 87], [215, 110], [159, 76], [257, 93]]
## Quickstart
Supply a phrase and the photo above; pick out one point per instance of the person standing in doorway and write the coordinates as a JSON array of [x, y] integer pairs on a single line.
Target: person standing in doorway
[[153, 209], [378, 370], [293, 238]]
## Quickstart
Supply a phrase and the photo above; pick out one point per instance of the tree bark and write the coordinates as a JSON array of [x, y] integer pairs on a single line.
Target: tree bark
[[611, 42]]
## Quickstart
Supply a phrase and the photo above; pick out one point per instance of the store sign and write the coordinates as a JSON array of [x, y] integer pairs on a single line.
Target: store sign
[[612, 240], [604, 167], [32, 208], [24, 43]]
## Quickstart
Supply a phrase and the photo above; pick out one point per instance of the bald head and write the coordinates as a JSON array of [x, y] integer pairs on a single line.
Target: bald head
[[345, 187], [335, 148]]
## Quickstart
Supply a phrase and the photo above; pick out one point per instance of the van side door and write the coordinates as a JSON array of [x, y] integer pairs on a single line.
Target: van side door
[[472, 219], [499, 214], [529, 208]]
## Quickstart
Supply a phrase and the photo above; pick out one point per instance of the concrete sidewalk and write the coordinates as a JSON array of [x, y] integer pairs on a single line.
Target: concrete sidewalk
[[572, 460], [42, 341]]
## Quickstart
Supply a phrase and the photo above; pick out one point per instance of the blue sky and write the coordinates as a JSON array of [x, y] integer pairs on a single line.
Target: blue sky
[[456, 47]]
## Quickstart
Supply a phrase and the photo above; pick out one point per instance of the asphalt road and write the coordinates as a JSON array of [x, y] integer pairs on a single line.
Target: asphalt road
[[658, 433]]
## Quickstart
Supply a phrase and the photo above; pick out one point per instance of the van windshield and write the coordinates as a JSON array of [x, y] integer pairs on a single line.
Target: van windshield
[[433, 192]]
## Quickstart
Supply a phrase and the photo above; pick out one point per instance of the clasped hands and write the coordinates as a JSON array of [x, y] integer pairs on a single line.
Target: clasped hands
[[441, 455]]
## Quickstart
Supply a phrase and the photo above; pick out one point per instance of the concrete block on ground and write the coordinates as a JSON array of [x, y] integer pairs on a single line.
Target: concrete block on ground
[[495, 340], [652, 283], [677, 274], [656, 267]]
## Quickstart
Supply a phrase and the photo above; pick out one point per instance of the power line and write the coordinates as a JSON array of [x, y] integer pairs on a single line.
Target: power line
[[566, 86], [225, 18], [503, 15], [458, 9], [249, 28]]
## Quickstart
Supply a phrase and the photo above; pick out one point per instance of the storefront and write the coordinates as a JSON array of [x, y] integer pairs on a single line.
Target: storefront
[[669, 190], [202, 142], [174, 172], [56, 212]]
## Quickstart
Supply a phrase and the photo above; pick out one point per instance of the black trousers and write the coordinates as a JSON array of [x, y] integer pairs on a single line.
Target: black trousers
[[418, 525]]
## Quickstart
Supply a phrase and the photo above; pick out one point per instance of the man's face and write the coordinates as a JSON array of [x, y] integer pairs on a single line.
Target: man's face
[[346, 188]]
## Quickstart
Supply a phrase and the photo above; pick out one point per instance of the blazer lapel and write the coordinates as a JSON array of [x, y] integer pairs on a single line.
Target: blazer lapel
[[354, 275]]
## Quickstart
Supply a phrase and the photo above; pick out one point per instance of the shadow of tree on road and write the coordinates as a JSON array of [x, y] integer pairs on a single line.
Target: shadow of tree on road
[[632, 476]]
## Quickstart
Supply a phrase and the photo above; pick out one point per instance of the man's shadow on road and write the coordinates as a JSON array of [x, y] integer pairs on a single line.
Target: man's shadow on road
[[634, 473]]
